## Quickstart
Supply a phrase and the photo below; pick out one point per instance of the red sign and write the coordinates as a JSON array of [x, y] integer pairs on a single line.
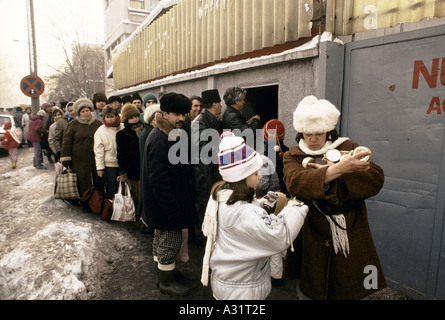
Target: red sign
[[32, 86]]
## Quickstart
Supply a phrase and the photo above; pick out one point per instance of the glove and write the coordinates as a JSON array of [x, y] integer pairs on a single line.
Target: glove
[[67, 164], [122, 178]]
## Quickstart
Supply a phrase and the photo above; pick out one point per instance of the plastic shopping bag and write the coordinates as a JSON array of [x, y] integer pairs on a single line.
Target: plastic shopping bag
[[123, 205]]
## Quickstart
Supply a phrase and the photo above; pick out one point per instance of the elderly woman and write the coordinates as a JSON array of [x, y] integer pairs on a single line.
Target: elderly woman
[[337, 246], [77, 144]]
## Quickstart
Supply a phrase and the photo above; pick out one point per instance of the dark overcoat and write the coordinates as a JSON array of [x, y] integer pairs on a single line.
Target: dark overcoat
[[77, 147], [325, 274], [128, 157], [167, 194], [205, 175]]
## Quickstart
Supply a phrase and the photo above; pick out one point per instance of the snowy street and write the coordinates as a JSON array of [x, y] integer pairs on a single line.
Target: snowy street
[[51, 250]]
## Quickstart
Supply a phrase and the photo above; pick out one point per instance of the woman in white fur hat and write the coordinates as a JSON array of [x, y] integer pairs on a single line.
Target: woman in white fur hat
[[241, 236], [336, 241]]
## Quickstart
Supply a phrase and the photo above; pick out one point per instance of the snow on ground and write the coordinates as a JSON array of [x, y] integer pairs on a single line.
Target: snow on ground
[[49, 249]]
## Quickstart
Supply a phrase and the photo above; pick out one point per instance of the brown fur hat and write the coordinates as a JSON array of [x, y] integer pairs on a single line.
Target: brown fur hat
[[129, 110]]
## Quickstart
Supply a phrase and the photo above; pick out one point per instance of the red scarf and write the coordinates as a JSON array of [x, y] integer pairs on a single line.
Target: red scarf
[[115, 123]]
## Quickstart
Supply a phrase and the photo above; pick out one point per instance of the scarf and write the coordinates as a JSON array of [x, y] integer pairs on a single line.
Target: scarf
[[86, 120], [209, 229], [14, 135], [339, 235], [116, 122]]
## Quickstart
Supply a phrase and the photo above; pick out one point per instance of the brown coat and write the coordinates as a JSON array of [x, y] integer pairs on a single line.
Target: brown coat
[[324, 274], [77, 146]]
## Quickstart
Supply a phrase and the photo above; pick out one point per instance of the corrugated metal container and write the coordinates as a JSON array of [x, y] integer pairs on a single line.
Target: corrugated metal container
[[197, 32], [346, 17]]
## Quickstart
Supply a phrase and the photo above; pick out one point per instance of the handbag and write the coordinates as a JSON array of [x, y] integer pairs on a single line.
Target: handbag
[[94, 198], [123, 205], [66, 186]]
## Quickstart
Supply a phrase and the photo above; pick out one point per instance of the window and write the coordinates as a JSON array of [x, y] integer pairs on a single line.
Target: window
[[137, 4]]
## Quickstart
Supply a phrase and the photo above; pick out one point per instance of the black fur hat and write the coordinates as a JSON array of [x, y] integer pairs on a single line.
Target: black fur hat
[[175, 102], [210, 96]]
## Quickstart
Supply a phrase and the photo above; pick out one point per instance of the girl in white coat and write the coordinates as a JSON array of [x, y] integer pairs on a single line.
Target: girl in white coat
[[241, 236]]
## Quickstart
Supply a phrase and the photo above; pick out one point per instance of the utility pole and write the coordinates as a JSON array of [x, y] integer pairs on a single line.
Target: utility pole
[[35, 102]]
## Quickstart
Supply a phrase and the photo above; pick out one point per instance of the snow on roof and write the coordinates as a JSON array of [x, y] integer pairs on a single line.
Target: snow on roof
[[163, 5]]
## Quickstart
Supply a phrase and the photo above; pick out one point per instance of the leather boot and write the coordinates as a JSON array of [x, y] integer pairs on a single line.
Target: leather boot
[[34, 163], [168, 284], [40, 166]]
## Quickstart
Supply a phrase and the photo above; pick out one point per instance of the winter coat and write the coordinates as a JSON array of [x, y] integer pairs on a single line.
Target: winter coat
[[269, 180], [26, 119], [246, 239], [51, 132], [8, 139], [19, 116], [105, 148], [35, 129], [58, 132], [128, 156], [205, 175], [278, 163], [167, 200], [233, 119], [77, 147], [325, 274]]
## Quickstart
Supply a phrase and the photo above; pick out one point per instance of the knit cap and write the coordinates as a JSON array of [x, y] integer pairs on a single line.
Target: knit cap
[[237, 160], [276, 125]]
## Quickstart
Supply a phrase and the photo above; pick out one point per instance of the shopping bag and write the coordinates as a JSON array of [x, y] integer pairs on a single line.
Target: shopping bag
[[123, 205], [66, 186], [94, 198]]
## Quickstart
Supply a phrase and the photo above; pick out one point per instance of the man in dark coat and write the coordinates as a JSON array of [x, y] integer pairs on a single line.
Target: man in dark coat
[[205, 173], [235, 99], [167, 201]]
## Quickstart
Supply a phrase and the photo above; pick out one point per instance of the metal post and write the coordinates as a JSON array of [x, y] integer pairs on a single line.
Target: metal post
[[35, 102]]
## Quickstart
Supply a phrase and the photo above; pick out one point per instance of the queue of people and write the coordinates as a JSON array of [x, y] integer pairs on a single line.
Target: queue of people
[[260, 220]]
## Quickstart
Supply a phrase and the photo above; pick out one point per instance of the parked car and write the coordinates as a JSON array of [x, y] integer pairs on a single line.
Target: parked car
[[5, 117]]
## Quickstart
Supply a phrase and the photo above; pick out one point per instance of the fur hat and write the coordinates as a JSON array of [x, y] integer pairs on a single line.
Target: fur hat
[[150, 111], [41, 113], [99, 97], [237, 161], [149, 96], [129, 110], [136, 96], [83, 102], [175, 102], [313, 116], [126, 99], [210, 96], [274, 124], [114, 98], [109, 109]]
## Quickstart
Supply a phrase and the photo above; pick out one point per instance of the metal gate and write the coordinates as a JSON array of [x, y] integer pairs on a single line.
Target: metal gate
[[394, 102]]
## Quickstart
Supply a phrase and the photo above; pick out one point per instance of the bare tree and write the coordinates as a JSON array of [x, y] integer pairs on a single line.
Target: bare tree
[[81, 75]]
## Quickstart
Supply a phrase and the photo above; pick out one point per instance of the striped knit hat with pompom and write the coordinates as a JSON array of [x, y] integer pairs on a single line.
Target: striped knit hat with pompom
[[237, 161]]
